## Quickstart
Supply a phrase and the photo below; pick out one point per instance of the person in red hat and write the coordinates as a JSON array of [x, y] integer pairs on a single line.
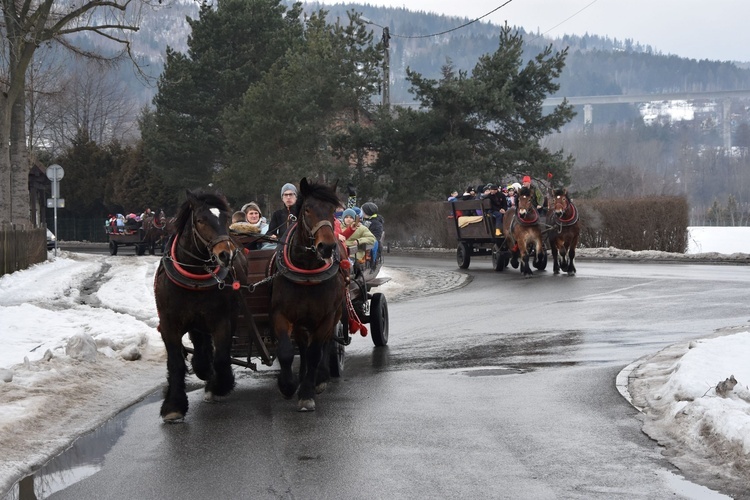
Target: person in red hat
[[536, 195]]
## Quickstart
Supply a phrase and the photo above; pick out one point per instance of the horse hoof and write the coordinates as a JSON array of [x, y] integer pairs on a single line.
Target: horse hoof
[[321, 387], [173, 417], [571, 273], [209, 397], [306, 405]]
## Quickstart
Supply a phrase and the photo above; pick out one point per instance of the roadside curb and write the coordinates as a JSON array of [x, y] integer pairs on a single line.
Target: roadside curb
[[624, 377]]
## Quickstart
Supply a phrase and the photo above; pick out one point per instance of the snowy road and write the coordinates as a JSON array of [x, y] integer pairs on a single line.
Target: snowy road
[[505, 385]]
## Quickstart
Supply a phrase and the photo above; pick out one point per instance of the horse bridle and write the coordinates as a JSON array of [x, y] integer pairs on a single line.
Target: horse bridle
[[312, 231], [209, 245]]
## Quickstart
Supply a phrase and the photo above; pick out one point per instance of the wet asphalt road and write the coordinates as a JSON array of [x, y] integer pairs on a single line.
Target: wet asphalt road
[[504, 388]]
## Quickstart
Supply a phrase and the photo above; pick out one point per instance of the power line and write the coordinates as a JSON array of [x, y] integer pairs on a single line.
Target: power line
[[563, 21], [446, 31]]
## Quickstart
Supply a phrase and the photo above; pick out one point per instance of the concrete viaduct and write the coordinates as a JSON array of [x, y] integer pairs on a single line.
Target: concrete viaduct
[[725, 96]]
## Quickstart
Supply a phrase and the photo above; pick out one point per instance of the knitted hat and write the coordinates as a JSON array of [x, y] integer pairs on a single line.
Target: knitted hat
[[252, 205], [288, 187], [369, 209], [349, 212], [526, 178]]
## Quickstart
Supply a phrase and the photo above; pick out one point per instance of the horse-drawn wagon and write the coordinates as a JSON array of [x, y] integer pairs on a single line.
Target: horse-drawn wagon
[[304, 296], [255, 337], [148, 234], [470, 222]]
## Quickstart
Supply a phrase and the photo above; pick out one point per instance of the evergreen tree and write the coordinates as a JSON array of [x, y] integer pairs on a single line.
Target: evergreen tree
[[230, 47], [88, 169], [486, 126], [287, 122]]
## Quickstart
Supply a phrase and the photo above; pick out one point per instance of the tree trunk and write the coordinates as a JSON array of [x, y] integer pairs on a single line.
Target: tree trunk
[[5, 170]]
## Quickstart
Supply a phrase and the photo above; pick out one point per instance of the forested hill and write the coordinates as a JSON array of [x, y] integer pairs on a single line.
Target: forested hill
[[596, 65]]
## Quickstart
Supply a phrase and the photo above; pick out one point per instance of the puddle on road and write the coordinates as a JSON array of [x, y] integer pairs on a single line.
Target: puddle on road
[[84, 458]]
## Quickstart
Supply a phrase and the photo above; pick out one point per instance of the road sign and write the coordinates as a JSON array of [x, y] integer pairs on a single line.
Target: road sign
[[51, 202], [55, 172]]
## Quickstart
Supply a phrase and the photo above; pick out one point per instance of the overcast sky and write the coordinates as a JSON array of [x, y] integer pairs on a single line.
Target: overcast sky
[[700, 29]]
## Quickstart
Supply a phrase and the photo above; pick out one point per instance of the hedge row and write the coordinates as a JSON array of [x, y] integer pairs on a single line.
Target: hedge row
[[652, 223]]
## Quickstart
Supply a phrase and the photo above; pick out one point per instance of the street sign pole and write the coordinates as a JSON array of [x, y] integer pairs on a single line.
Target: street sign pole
[[55, 174]]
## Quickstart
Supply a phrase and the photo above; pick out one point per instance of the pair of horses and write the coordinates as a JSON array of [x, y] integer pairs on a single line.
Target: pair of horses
[[521, 225], [199, 287], [155, 232]]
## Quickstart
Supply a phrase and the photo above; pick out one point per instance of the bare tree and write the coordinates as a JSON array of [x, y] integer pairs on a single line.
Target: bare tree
[[92, 100], [27, 24]]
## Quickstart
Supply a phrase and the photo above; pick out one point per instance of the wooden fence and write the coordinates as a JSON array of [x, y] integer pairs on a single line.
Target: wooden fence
[[21, 248]]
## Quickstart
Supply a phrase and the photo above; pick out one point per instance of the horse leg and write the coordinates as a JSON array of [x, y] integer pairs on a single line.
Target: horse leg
[[313, 354], [323, 373], [222, 381], [571, 256], [175, 404], [202, 354], [525, 267], [285, 354], [555, 262]]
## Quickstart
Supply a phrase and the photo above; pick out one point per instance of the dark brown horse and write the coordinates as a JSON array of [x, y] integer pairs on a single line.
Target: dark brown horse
[[521, 227], [308, 294], [155, 232], [194, 295], [564, 232]]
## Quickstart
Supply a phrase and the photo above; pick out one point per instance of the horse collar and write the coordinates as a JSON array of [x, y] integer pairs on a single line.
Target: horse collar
[[570, 220], [528, 222], [291, 272], [184, 278]]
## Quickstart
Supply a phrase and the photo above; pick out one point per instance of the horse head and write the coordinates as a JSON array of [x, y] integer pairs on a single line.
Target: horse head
[[317, 204], [203, 228], [560, 201], [526, 205]]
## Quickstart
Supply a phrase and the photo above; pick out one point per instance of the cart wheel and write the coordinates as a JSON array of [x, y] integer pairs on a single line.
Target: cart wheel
[[379, 319], [498, 260], [463, 255], [337, 353], [140, 249], [541, 264], [113, 248]]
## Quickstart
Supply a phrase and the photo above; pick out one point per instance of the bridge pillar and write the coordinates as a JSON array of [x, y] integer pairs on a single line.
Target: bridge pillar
[[727, 108], [588, 114]]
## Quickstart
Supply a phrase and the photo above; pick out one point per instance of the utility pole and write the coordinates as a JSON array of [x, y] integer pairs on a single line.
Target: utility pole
[[386, 102], [386, 69]]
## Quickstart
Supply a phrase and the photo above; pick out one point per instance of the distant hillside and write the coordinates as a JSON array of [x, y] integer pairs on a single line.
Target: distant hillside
[[595, 65]]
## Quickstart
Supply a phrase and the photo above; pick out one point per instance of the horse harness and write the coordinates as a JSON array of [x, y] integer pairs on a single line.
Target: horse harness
[[560, 222], [286, 268]]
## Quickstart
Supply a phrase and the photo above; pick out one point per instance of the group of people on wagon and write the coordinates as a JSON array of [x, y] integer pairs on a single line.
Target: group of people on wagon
[[120, 223], [502, 198], [354, 227]]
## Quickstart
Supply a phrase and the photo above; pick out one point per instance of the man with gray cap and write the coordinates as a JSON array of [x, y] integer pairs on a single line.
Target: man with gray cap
[[280, 219]]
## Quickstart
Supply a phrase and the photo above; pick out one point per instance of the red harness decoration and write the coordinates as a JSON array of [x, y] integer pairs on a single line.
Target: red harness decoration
[[573, 216], [182, 270], [355, 324]]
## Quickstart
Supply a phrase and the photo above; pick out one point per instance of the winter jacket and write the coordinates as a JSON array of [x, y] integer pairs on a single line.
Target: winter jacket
[[280, 221], [357, 237], [375, 225]]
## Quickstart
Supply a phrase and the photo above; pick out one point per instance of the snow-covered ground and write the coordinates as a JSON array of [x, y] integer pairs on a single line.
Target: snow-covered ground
[[80, 343]]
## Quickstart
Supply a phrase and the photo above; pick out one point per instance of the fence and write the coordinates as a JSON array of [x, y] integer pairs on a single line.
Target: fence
[[80, 229], [21, 248]]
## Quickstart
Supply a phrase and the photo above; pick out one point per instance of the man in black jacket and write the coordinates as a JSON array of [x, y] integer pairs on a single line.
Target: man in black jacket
[[282, 219], [498, 203]]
